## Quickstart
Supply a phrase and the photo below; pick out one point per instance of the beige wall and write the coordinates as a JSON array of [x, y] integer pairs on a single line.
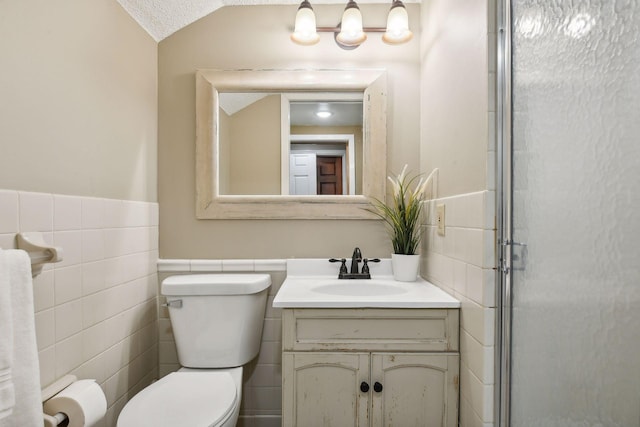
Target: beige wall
[[224, 129], [455, 87], [254, 148], [79, 100], [260, 36], [78, 118]]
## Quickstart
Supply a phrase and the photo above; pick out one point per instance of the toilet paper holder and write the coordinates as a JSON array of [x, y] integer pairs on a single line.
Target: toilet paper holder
[[50, 391], [74, 403]]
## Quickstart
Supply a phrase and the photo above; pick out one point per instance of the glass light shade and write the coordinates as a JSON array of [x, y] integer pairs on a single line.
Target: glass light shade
[[351, 33], [397, 25], [305, 27]]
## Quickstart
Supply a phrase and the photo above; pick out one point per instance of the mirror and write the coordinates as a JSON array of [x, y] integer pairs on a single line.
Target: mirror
[[250, 158], [290, 143]]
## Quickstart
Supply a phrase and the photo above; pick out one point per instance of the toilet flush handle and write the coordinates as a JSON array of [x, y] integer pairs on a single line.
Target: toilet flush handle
[[176, 303]]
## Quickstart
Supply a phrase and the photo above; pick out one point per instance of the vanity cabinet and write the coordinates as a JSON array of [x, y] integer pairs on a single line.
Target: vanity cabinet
[[370, 367]]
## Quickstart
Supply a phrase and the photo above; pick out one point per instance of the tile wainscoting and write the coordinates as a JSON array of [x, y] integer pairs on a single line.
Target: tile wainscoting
[[462, 263], [95, 311]]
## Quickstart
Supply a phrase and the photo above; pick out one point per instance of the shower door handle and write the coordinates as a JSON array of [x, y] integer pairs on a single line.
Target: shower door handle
[[518, 256]]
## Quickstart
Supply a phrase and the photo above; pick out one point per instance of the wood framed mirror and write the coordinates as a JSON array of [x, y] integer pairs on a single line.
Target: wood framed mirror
[[212, 203]]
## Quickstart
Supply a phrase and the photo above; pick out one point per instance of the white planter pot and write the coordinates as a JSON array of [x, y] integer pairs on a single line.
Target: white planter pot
[[405, 267]]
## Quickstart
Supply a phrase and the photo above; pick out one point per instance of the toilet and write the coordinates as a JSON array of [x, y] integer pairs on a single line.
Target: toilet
[[217, 324]]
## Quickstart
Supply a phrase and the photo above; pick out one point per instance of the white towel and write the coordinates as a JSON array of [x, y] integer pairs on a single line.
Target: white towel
[[25, 370], [7, 394]]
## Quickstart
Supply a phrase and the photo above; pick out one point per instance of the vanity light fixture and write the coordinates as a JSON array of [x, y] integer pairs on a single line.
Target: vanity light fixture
[[349, 33]]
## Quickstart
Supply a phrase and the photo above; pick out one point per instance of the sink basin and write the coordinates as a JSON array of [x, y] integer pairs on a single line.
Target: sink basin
[[313, 283], [358, 288]]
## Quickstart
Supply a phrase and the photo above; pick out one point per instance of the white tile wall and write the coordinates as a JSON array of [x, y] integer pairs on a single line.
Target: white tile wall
[[261, 391], [96, 311], [461, 262]]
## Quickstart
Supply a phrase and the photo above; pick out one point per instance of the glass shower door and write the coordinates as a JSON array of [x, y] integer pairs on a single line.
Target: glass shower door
[[575, 287]]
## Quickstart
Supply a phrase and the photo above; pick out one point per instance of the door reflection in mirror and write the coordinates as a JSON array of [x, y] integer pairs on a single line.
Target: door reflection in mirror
[[323, 164]]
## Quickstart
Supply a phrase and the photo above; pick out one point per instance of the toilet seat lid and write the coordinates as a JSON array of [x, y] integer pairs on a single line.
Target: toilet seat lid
[[182, 399]]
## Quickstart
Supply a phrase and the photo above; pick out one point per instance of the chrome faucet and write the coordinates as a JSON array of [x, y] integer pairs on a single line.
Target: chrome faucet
[[356, 258]]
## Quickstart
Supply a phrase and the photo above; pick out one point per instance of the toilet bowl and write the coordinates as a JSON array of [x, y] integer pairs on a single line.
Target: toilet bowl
[[188, 397], [217, 324]]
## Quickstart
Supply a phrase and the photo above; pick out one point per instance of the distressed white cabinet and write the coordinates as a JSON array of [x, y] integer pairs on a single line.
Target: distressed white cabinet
[[323, 389], [370, 367]]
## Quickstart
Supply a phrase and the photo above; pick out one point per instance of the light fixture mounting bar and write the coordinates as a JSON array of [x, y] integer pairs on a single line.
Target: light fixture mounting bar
[[337, 29]]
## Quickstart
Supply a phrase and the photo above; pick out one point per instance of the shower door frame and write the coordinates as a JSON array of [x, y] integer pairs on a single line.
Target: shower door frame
[[504, 211]]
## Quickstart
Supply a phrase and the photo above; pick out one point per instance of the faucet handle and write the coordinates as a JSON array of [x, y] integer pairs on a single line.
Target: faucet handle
[[343, 266], [365, 266]]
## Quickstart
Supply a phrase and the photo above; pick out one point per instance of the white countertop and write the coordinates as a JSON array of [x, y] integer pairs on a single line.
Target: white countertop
[[313, 283]]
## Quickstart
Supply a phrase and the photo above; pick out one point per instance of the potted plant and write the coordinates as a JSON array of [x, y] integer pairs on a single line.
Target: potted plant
[[403, 217]]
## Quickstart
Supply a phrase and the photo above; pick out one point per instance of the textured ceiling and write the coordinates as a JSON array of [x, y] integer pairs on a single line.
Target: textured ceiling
[[161, 18]]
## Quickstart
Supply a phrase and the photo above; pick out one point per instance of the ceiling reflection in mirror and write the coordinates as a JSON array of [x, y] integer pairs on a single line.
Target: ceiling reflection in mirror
[[279, 143]]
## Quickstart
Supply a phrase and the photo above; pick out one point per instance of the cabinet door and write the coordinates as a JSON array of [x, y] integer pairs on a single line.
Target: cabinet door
[[323, 389], [418, 390]]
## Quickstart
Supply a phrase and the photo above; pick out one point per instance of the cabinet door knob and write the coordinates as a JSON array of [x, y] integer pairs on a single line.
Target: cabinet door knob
[[364, 387], [377, 387]]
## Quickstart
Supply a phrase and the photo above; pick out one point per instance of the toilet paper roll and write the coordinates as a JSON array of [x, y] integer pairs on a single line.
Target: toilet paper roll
[[83, 402]]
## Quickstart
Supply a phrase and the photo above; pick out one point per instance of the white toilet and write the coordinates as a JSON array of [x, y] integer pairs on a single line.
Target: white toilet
[[217, 324]]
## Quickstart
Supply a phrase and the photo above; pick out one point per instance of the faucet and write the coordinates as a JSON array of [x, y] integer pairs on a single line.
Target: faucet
[[356, 257]]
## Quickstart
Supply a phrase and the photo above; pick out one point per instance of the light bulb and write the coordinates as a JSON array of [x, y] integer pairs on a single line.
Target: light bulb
[[351, 33], [397, 25], [305, 27]]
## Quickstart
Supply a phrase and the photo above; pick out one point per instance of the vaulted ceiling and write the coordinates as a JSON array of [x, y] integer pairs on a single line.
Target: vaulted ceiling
[[161, 18]]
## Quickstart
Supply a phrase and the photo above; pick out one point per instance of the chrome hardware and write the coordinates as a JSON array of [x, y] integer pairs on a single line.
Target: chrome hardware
[[176, 303], [518, 256]]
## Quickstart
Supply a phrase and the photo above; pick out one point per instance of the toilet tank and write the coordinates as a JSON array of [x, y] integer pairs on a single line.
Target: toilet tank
[[216, 318]]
